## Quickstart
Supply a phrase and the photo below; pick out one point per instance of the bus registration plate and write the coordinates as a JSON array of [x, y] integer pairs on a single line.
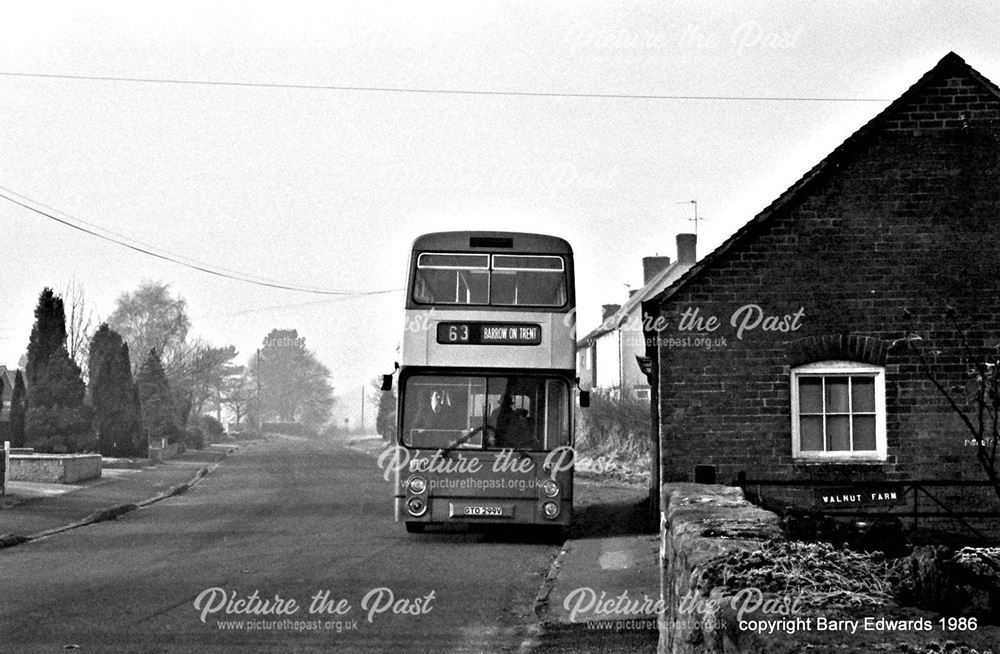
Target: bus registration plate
[[482, 511]]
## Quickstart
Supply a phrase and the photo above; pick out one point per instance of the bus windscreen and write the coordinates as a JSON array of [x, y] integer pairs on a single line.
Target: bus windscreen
[[485, 412]]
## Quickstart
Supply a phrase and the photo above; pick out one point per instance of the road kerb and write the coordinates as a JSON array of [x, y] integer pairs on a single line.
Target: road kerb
[[107, 513], [542, 598], [180, 488], [111, 512], [10, 540]]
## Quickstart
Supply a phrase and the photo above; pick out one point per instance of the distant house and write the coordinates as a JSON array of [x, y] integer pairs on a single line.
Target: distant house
[[606, 357], [781, 354]]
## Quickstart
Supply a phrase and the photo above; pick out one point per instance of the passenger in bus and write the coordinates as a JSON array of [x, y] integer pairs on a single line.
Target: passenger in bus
[[510, 427]]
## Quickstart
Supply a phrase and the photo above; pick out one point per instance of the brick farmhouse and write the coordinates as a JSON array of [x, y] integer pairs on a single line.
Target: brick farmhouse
[[775, 353]]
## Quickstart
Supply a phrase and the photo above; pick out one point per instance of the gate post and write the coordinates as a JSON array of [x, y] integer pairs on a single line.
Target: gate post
[[4, 467]]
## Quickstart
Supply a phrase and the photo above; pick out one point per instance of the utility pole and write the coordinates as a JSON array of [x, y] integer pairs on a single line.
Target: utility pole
[[362, 408], [260, 418]]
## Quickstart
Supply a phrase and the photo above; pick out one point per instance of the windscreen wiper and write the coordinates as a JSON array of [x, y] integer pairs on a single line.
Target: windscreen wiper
[[462, 440]]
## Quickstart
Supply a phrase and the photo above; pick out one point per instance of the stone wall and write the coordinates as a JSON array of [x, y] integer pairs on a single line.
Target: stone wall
[[701, 523], [55, 468], [161, 454]]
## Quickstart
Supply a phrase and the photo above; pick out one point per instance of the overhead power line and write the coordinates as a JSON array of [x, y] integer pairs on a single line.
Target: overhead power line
[[149, 250], [429, 91], [276, 307]]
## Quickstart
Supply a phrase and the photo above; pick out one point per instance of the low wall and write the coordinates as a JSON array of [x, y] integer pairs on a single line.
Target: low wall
[[701, 523], [160, 454], [54, 468]]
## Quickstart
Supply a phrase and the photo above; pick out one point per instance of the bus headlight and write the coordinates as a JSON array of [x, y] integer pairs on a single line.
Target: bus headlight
[[416, 506], [417, 485], [551, 510], [550, 487]]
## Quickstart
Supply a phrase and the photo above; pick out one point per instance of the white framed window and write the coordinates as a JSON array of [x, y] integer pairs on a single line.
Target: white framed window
[[838, 412]]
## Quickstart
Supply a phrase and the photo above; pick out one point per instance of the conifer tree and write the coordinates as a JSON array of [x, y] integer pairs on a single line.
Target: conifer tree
[[48, 335], [56, 419], [117, 418], [159, 414], [17, 411]]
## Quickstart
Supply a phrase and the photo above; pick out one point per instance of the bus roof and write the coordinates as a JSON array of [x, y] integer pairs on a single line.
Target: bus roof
[[491, 242]]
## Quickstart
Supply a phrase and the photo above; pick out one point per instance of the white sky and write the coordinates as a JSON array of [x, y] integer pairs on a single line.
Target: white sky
[[327, 188]]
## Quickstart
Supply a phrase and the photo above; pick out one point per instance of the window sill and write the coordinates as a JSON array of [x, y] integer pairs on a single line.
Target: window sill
[[840, 462]]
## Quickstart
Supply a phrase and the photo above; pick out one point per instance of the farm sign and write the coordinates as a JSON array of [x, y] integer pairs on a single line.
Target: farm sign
[[858, 497]]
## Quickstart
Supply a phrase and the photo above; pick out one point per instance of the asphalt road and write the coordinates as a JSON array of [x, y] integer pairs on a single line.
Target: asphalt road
[[293, 520]]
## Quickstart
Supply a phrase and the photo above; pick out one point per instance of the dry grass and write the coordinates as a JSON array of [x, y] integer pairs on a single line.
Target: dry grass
[[826, 577], [613, 438]]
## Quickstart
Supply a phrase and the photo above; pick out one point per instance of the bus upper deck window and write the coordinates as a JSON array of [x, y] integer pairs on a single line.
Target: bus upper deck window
[[526, 280], [452, 279]]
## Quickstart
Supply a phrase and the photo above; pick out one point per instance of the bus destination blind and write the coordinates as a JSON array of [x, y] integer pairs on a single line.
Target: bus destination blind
[[488, 333]]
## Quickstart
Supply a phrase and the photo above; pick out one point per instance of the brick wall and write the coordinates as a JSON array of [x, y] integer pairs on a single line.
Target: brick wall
[[948, 102], [900, 225]]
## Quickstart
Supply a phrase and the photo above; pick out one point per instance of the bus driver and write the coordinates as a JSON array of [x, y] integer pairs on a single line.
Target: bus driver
[[437, 413]]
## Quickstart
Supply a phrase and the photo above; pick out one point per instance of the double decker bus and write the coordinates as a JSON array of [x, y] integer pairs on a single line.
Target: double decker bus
[[486, 382]]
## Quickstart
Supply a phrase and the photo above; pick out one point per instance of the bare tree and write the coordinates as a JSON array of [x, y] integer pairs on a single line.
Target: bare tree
[[385, 416], [239, 393], [80, 325], [151, 318], [294, 385], [199, 372], [975, 400]]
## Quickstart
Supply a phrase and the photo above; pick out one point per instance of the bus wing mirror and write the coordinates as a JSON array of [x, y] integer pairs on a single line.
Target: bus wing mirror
[[584, 399], [386, 382]]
